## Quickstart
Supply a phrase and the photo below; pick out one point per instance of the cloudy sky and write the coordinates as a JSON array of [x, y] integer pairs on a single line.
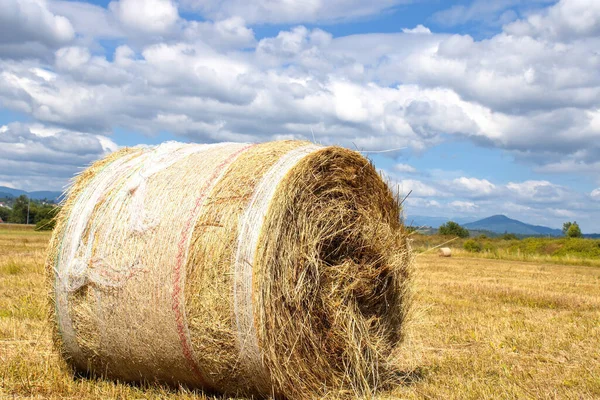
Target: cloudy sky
[[496, 104]]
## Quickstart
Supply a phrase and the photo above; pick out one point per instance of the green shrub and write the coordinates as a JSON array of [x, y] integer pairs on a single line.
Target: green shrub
[[588, 248], [489, 246], [509, 236], [410, 229], [472, 246], [454, 229], [574, 231]]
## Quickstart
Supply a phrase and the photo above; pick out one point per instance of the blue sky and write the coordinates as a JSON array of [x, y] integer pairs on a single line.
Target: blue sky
[[495, 104]]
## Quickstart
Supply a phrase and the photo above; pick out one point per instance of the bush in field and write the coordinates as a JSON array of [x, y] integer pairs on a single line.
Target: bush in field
[[472, 246], [23, 207], [5, 213], [410, 229], [490, 246], [46, 218], [577, 247], [19, 211], [571, 229], [533, 246], [509, 236], [587, 248], [574, 231], [453, 229]]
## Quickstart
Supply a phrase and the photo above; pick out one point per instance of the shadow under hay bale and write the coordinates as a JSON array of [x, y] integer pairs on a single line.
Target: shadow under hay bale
[[279, 269]]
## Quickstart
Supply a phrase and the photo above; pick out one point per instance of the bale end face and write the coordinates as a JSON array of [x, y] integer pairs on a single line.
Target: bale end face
[[336, 289]]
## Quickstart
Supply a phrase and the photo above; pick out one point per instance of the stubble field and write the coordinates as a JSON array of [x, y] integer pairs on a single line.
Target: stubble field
[[482, 329]]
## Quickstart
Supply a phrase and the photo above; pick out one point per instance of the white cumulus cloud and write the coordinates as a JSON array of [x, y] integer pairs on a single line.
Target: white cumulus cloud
[[39, 157], [463, 206], [538, 191], [418, 188], [405, 168], [568, 19], [28, 28], [475, 186], [147, 16], [417, 29]]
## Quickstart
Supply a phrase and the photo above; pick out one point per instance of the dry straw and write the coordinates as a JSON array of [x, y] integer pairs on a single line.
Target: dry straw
[[277, 269]]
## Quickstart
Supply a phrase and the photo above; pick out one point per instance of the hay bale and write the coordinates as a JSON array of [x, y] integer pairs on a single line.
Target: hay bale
[[445, 252], [278, 268]]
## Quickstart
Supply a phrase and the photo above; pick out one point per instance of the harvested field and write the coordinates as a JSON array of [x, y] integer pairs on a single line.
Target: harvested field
[[484, 329]]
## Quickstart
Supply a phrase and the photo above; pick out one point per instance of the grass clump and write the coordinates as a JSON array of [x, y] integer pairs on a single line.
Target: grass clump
[[472, 246], [11, 268]]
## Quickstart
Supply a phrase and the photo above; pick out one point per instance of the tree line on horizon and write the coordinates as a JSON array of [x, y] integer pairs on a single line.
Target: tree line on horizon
[[451, 228], [40, 213]]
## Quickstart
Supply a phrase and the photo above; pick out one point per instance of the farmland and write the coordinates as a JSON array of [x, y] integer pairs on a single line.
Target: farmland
[[484, 327], [562, 251]]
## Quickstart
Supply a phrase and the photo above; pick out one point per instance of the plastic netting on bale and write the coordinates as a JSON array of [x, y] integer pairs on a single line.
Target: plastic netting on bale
[[276, 269]]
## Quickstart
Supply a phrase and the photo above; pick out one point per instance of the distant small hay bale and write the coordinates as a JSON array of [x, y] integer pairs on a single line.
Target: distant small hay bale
[[278, 269], [445, 252]]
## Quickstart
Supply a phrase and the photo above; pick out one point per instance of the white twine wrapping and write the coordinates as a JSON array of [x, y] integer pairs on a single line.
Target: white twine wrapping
[[162, 157], [71, 271], [249, 233], [76, 267]]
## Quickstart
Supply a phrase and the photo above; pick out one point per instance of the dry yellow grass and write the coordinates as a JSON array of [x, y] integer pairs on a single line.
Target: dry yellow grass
[[485, 329]]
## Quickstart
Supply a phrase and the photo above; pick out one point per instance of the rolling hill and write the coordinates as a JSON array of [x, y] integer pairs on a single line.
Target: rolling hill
[[434, 222], [37, 195], [502, 224]]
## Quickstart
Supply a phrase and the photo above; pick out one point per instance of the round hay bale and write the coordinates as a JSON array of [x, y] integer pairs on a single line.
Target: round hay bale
[[445, 252], [278, 269]]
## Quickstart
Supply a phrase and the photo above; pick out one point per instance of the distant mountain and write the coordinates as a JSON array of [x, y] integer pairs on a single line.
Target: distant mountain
[[10, 192], [45, 194], [501, 224], [38, 195], [434, 222]]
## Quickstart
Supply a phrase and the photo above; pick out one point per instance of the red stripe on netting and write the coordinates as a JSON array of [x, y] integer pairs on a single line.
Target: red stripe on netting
[[178, 308]]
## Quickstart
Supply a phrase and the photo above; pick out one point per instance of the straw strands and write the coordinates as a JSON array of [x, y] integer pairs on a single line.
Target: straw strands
[[276, 269]]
